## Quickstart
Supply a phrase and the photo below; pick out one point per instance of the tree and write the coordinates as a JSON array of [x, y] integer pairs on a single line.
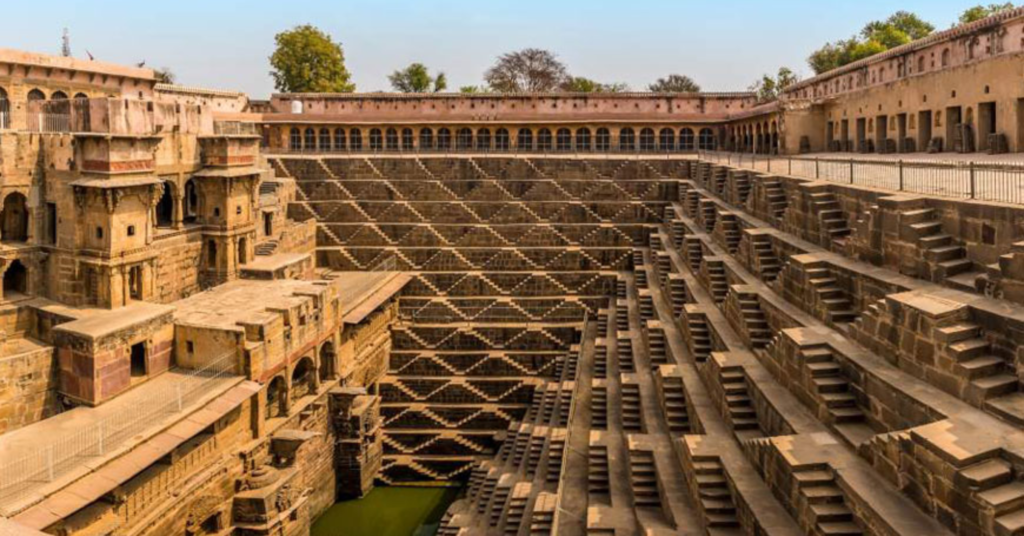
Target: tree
[[900, 28], [164, 75], [473, 90], [307, 60], [526, 71], [981, 11], [675, 83], [580, 84], [769, 88], [416, 79]]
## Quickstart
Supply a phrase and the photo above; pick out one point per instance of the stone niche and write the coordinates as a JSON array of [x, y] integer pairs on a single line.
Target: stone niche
[[105, 354]]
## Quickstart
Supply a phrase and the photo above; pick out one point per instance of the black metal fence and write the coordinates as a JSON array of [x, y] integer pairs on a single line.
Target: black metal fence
[[983, 181]]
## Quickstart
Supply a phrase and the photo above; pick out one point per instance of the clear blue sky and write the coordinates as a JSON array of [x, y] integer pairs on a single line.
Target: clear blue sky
[[224, 44]]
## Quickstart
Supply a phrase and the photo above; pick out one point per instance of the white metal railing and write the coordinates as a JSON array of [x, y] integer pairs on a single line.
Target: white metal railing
[[65, 451]]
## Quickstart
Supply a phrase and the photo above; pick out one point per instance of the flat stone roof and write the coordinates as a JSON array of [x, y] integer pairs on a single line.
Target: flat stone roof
[[104, 323], [246, 300], [270, 263]]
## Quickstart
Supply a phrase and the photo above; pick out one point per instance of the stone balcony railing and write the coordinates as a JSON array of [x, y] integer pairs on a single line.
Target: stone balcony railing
[[117, 117]]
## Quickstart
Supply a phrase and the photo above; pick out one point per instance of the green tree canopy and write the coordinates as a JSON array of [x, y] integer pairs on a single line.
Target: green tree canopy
[[769, 88], [900, 28], [526, 71], [982, 11], [416, 79], [307, 60], [164, 75], [674, 83], [580, 84]]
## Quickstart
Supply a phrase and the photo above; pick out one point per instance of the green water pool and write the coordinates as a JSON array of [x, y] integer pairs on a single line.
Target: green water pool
[[387, 511]]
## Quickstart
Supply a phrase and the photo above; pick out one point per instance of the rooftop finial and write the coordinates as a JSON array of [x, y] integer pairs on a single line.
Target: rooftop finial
[[65, 47]]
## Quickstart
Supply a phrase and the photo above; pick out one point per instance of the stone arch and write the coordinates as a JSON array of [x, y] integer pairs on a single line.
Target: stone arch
[[426, 139], [603, 140], [524, 140], [303, 378], [190, 202], [14, 225], [627, 139], [324, 140], [59, 95], [5, 110], [36, 95], [666, 140], [647, 139], [339, 139], [277, 397], [327, 364], [165, 207], [464, 139], [295, 139], [544, 140], [444, 139], [376, 139], [81, 96], [391, 139], [501, 140], [483, 139], [706, 140], [407, 139], [583, 139], [563, 140]]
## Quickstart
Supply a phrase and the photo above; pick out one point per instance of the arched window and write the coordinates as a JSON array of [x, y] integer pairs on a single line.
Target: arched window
[[627, 139], [15, 218], [355, 139], [544, 140], [444, 139], [647, 140], [277, 394], [339, 139], [36, 95], [945, 57], [920, 64], [59, 95], [666, 140], [483, 139], [686, 140], [464, 139], [603, 140], [165, 207], [376, 140], [426, 139], [706, 140], [302, 379], [524, 140], [327, 361], [190, 210], [501, 140], [325, 140], [407, 143], [563, 140], [295, 139], [309, 143], [583, 139], [391, 139], [5, 110]]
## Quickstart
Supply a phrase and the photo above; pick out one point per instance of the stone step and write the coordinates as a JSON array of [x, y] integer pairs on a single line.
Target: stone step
[[1005, 498], [840, 528], [986, 475], [944, 253], [995, 385], [981, 367]]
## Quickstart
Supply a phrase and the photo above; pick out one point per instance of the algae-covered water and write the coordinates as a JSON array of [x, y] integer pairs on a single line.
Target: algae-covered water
[[387, 511]]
